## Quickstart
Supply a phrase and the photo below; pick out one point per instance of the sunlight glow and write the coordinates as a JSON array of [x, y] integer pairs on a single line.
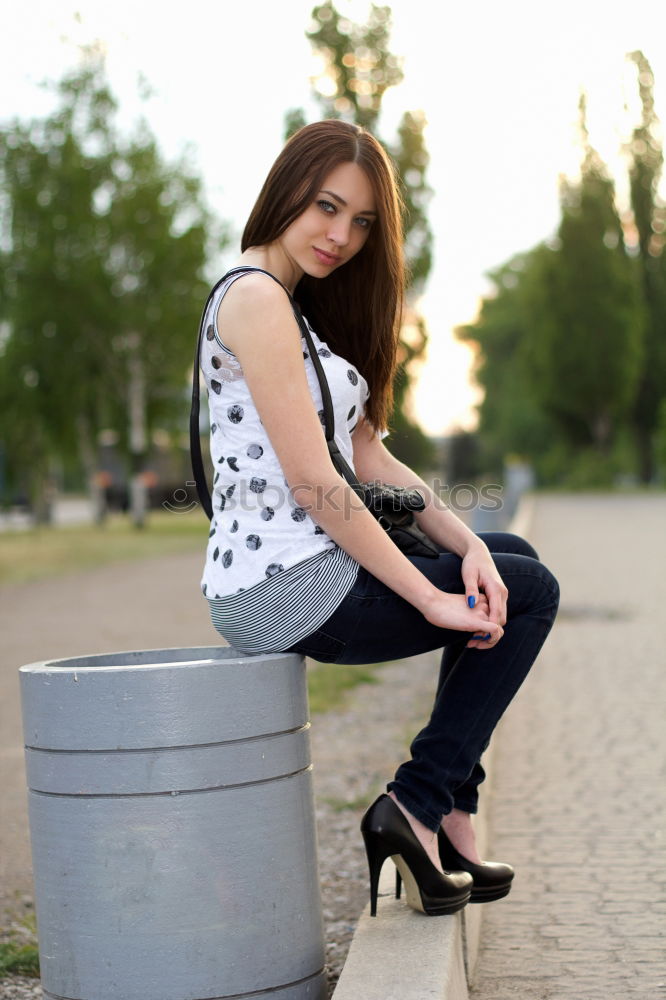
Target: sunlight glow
[[499, 85]]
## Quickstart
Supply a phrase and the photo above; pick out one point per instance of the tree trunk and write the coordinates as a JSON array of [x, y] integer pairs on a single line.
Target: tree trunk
[[95, 481], [137, 433]]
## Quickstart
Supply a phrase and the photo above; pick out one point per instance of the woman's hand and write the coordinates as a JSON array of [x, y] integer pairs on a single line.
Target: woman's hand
[[452, 611], [483, 582]]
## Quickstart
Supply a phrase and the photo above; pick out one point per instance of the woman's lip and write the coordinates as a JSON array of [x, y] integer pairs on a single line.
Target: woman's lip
[[326, 258]]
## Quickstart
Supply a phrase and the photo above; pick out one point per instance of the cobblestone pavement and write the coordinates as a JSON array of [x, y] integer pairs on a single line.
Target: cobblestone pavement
[[578, 783]]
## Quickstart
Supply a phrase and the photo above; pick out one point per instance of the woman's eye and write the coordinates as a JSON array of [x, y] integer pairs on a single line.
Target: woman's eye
[[363, 222], [327, 207]]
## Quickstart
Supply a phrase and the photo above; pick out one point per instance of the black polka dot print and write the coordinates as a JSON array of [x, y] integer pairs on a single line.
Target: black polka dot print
[[220, 460], [217, 476], [216, 362], [216, 554], [322, 418], [210, 332], [352, 429], [213, 428], [323, 352], [230, 490], [255, 451], [235, 412], [204, 589], [227, 558], [223, 503], [351, 413], [298, 514], [234, 527], [267, 514], [352, 376], [253, 542], [257, 485], [306, 355], [319, 530], [274, 568], [216, 386], [231, 462]]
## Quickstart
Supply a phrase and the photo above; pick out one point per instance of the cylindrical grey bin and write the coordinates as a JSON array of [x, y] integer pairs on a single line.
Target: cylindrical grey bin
[[172, 826]]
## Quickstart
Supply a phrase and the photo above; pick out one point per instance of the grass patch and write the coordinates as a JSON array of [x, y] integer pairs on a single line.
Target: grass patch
[[19, 955], [42, 552], [330, 683], [18, 959]]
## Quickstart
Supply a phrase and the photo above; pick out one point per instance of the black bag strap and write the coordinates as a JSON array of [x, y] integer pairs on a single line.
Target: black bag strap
[[198, 471]]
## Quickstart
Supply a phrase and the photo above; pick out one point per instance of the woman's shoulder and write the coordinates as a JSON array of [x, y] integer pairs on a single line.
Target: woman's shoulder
[[253, 289], [253, 296]]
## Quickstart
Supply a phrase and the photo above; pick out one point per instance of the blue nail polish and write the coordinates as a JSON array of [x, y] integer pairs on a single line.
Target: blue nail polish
[[486, 636], [471, 600]]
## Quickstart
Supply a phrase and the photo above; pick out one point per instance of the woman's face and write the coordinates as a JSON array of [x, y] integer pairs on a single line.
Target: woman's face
[[335, 226]]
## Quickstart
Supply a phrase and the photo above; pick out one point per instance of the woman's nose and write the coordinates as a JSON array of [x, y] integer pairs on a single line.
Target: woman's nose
[[338, 232]]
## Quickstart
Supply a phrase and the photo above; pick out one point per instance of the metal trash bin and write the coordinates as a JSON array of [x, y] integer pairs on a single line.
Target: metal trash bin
[[172, 826]]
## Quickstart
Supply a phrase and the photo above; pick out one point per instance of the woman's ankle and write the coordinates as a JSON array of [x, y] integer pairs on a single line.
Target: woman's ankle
[[457, 826], [425, 836]]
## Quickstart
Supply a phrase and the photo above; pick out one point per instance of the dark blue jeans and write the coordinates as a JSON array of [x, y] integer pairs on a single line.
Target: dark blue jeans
[[475, 687]]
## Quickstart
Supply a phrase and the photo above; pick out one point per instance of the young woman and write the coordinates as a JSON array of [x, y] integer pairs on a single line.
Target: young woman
[[296, 562]]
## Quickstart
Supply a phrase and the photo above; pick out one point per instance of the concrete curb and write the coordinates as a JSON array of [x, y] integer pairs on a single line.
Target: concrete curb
[[403, 955]]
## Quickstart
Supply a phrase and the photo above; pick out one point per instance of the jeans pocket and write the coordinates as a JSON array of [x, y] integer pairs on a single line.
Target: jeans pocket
[[320, 646]]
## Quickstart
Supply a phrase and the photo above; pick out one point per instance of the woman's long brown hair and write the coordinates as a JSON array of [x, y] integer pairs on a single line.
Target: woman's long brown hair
[[357, 309]]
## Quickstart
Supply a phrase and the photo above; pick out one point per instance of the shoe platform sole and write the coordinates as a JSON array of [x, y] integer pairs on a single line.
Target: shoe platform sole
[[482, 894], [433, 908]]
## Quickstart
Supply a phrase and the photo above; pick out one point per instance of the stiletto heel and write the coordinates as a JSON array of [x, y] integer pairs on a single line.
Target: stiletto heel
[[492, 879], [377, 853], [387, 833], [398, 884]]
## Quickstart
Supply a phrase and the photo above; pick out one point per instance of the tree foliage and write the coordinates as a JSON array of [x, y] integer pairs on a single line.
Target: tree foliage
[[585, 308], [571, 344], [103, 249], [357, 69], [646, 160]]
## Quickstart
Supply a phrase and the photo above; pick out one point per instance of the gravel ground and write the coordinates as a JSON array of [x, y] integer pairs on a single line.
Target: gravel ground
[[355, 752]]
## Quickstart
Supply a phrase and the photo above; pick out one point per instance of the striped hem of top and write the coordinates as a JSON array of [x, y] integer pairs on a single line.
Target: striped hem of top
[[297, 603]]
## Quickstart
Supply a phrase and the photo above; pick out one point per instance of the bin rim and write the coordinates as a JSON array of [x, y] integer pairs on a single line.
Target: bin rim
[[77, 664]]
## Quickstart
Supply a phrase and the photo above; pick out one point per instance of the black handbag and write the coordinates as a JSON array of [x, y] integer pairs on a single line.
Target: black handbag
[[393, 506]]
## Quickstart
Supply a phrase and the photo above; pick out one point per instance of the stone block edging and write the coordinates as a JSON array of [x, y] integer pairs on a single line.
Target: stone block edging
[[403, 955]]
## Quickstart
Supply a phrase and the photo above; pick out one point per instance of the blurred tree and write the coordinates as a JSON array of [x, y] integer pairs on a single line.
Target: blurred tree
[[585, 313], [357, 68], [103, 249], [156, 259], [55, 289], [560, 341], [649, 215], [510, 417]]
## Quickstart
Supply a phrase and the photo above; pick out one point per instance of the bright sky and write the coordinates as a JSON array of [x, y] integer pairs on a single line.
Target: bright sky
[[499, 84]]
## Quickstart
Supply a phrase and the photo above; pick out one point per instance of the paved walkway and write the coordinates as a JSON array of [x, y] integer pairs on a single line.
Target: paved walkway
[[578, 770]]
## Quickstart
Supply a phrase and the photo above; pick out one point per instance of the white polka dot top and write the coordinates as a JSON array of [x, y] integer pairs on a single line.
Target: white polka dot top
[[272, 576]]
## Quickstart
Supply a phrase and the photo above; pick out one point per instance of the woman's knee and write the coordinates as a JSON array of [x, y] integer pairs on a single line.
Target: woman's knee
[[506, 541], [531, 585]]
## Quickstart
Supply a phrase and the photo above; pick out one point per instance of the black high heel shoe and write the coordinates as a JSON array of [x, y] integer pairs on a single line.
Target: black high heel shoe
[[492, 879], [387, 833]]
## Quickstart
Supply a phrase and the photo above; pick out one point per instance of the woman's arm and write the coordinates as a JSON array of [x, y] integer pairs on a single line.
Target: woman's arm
[[258, 325], [372, 460]]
